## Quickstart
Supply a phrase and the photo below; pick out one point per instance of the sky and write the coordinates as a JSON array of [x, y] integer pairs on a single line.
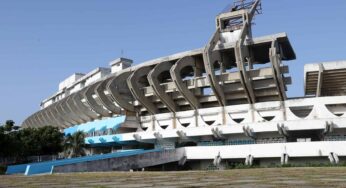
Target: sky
[[44, 41]]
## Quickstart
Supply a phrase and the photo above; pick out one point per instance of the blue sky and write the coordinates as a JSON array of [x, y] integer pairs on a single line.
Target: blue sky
[[44, 41]]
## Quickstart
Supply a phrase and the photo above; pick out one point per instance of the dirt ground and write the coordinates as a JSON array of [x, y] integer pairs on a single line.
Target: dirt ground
[[260, 177]]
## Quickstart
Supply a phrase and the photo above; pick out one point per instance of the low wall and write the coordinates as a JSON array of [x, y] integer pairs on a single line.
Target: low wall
[[124, 163]]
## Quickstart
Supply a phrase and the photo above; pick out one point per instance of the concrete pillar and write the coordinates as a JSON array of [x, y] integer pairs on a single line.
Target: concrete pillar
[[88, 95], [106, 102], [115, 86]]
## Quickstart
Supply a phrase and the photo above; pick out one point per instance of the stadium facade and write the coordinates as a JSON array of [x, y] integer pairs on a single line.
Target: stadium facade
[[211, 107]]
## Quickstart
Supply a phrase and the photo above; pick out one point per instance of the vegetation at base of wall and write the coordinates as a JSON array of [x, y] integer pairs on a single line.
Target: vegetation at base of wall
[[21, 143], [2, 169], [274, 165], [314, 164]]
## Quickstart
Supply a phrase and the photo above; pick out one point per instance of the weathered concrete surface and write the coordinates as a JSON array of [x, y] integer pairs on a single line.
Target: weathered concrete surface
[[325, 79], [124, 163]]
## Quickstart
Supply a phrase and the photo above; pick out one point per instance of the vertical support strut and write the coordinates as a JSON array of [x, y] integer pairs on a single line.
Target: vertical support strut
[[275, 59]]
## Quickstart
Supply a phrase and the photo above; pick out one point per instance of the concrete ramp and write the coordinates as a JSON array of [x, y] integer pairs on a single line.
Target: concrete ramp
[[47, 167], [125, 163]]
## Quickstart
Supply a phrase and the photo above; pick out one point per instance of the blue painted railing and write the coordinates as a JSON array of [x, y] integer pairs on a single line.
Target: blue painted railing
[[47, 167], [16, 169]]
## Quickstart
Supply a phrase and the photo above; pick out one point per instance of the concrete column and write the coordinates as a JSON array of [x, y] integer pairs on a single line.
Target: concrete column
[[88, 95], [181, 86], [64, 112], [75, 110], [106, 102], [210, 58], [275, 58], [120, 92], [133, 83], [155, 83], [77, 99]]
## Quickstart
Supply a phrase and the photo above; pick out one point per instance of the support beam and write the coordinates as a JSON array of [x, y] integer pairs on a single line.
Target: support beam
[[50, 119], [56, 115], [249, 132], [155, 83], [88, 95], [244, 76], [329, 127], [217, 133], [158, 136], [35, 119], [115, 85], [333, 158], [135, 83], [284, 159], [75, 110], [249, 160], [275, 59], [51, 116], [319, 81], [45, 118], [217, 160], [282, 130], [65, 106], [65, 113], [137, 137], [210, 58], [77, 99], [104, 99], [40, 119], [181, 86], [183, 160]]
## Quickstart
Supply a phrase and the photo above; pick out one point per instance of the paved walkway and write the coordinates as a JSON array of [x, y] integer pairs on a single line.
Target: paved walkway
[[261, 177]]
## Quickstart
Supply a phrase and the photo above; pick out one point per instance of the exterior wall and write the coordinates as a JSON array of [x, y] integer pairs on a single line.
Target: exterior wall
[[201, 158], [46, 103], [275, 150], [76, 87], [101, 72], [70, 81], [120, 64]]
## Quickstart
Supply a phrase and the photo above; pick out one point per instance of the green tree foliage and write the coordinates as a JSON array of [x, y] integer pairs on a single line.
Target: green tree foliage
[[74, 145], [9, 125], [45, 140]]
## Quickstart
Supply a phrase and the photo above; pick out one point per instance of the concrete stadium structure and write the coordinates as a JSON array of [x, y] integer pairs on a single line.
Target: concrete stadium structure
[[215, 106]]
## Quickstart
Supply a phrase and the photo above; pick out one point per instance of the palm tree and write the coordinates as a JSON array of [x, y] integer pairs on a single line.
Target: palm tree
[[74, 145]]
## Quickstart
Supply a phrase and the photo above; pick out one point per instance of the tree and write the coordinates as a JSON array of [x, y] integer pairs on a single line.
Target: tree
[[51, 140], [74, 145], [26, 142], [7, 143], [3, 138], [9, 125]]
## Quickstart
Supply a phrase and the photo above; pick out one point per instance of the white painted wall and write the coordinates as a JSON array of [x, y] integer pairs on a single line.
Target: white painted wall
[[293, 149], [70, 80]]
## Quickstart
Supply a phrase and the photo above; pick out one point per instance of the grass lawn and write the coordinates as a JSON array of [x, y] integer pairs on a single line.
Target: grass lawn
[[259, 177]]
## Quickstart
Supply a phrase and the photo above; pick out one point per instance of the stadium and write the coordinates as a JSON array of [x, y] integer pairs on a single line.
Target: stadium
[[209, 108]]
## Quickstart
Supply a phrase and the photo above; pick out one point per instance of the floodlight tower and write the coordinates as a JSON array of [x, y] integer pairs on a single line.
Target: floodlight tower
[[232, 26]]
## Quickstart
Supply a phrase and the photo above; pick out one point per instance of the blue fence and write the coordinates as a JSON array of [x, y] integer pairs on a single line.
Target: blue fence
[[47, 167]]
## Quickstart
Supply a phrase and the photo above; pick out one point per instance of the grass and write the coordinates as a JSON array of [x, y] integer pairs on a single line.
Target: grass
[[256, 177]]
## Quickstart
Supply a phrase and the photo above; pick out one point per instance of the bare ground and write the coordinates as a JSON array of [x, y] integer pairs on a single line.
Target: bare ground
[[260, 177]]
